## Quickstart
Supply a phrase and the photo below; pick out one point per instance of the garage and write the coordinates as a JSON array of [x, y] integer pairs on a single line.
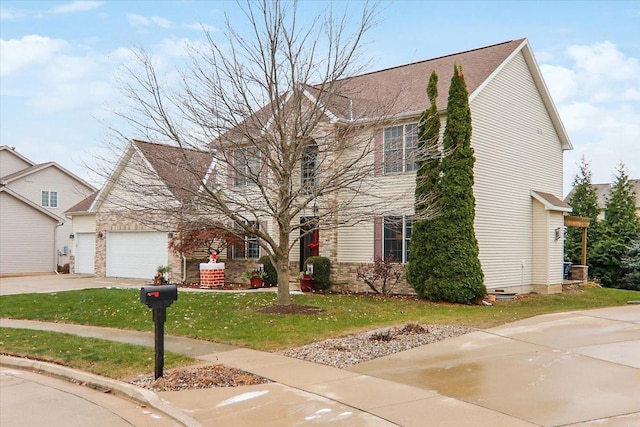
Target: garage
[[136, 254], [85, 253]]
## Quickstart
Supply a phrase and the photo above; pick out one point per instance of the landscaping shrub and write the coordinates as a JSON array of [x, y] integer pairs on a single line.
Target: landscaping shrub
[[321, 271], [271, 277]]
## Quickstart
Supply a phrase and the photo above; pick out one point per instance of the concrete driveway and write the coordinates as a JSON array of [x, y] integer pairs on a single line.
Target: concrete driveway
[[62, 282], [580, 368]]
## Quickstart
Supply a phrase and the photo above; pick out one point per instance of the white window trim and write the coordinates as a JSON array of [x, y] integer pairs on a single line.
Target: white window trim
[[404, 149]]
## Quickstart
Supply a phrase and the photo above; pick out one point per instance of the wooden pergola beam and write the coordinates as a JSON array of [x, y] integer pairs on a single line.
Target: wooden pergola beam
[[582, 222]]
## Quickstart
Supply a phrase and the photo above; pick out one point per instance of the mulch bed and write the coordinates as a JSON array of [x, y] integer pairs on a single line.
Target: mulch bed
[[200, 377], [226, 287]]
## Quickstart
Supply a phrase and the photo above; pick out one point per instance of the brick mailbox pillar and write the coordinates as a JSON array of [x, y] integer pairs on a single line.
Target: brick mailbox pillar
[[212, 274]]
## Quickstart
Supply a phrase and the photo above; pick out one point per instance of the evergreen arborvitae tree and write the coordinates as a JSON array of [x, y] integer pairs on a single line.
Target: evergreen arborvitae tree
[[619, 229], [584, 201], [427, 176], [631, 268], [456, 274]]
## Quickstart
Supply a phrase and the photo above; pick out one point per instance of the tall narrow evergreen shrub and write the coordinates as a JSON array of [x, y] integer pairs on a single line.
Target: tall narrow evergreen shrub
[[419, 268], [456, 274]]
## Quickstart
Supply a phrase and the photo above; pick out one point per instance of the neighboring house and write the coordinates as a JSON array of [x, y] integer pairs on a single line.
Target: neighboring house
[[518, 139], [35, 237], [603, 190]]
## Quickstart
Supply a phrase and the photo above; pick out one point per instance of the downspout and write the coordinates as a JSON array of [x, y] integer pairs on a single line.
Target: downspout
[[184, 268]]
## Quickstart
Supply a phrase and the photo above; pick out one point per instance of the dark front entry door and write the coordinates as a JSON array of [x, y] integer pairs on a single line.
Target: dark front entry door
[[309, 239]]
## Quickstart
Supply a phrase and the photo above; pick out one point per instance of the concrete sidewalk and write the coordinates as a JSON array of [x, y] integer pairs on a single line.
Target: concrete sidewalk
[[579, 369]]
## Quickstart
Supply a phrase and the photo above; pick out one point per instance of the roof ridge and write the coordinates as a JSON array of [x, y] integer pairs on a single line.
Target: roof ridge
[[159, 144], [430, 59]]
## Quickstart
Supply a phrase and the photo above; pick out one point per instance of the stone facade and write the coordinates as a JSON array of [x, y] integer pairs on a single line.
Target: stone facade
[[344, 278]]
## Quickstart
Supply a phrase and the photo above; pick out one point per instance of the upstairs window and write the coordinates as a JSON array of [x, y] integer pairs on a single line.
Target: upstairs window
[[309, 168], [247, 165], [50, 199], [400, 144]]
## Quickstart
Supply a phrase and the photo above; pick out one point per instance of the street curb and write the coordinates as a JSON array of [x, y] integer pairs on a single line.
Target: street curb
[[140, 395]]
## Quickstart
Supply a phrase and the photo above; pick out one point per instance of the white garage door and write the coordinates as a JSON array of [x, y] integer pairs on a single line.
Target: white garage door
[[136, 254], [85, 253]]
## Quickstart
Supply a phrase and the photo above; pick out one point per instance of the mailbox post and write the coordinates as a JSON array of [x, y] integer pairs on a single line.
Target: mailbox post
[[158, 298]]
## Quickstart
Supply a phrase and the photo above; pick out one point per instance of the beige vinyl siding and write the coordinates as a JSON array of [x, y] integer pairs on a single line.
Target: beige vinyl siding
[[84, 223], [137, 188], [9, 163], [383, 195], [540, 244], [355, 244], [26, 238], [547, 251], [70, 192], [556, 248], [517, 150]]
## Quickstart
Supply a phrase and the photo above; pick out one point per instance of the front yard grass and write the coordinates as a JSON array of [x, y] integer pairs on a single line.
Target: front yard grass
[[107, 358], [235, 318]]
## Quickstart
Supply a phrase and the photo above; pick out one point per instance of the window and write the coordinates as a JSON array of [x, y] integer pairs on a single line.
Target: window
[[309, 167], [400, 144], [249, 248], [247, 165], [396, 236], [50, 199]]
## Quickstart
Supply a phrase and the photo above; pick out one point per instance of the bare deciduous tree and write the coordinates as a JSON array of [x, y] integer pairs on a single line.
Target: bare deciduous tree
[[287, 136]]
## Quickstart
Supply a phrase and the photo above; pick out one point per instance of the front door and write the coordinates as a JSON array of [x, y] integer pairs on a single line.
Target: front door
[[309, 239]]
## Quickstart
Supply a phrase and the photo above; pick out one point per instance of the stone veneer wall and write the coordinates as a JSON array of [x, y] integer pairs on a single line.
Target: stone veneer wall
[[343, 277]]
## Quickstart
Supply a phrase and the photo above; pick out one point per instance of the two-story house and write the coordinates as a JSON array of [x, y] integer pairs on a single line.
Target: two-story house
[[518, 139], [35, 235]]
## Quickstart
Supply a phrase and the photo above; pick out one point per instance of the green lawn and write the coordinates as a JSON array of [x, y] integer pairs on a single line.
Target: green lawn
[[235, 319], [107, 358]]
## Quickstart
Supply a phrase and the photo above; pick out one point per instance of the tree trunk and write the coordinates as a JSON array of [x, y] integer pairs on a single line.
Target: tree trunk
[[284, 297]]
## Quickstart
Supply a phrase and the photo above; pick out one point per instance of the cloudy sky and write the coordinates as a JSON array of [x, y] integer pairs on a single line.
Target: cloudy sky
[[58, 62]]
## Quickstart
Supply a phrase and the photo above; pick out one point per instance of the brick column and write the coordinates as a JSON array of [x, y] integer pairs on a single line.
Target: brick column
[[211, 274]]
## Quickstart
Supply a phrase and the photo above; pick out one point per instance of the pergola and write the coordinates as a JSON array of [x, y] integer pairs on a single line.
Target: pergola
[[582, 222]]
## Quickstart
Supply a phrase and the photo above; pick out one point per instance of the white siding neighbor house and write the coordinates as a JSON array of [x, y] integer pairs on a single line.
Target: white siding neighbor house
[[518, 139], [35, 236]]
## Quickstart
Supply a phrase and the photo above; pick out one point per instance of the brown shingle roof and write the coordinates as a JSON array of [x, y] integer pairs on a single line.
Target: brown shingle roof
[[403, 89], [83, 205], [181, 169], [550, 201]]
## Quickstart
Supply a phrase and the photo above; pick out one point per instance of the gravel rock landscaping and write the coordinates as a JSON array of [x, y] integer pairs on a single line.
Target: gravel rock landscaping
[[358, 348], [336, 352]]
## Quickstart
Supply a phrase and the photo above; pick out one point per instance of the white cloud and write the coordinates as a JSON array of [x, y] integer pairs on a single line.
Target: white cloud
[[142, 21], [161, 22], [76, 6], [597, 92], [29, 51], [197, 26], [561, 82], [175, 47], [7, 14], [137, 20], [72, 95]]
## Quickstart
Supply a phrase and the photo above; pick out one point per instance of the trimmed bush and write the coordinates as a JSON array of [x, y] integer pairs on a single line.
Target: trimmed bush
[[321, 271], [271, 273]]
